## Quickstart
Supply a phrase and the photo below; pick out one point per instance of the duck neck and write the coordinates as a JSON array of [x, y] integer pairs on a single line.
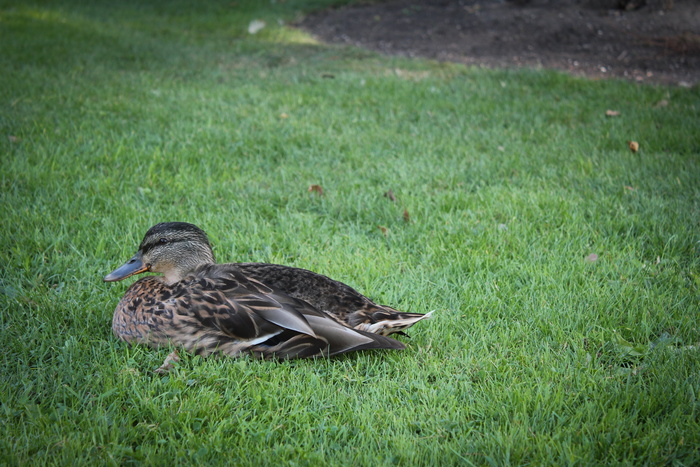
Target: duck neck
[[197, 255]]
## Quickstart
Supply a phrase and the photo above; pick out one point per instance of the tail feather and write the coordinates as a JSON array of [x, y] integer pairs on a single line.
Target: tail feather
[[392, 322]]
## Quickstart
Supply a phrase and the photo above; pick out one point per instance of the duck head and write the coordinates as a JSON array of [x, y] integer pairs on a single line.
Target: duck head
[[171, 248]]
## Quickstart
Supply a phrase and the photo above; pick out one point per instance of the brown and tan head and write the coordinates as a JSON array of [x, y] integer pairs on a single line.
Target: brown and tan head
[[171, 248]]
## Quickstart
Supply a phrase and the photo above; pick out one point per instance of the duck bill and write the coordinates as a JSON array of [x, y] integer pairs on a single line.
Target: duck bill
[[133, 266]]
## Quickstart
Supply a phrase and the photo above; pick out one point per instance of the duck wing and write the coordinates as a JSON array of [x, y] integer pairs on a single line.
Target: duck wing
[[293, 314], [338, 300]]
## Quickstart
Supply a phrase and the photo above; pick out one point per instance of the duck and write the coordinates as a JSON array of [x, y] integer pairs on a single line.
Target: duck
[[235, 309]]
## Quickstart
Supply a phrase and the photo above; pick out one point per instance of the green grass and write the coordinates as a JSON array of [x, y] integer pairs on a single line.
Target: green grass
[[119, 115]]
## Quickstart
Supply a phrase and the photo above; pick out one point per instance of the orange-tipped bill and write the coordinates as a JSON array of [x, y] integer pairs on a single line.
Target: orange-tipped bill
[[133, 266]]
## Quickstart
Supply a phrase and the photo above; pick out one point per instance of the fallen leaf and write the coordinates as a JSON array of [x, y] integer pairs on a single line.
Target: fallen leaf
[[169, 363], [255, 26], [284, 115], [592, 258], [634, 146], [406, 216], [612, 113], [390, 194], [316, 189], [630, 188], [662, 103], [12, 138], [383, 229]]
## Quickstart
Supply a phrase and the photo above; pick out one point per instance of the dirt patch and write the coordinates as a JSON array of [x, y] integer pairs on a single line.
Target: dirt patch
[[657, 43]]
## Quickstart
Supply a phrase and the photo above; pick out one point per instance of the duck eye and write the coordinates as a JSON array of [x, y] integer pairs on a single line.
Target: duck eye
[[163, 241]]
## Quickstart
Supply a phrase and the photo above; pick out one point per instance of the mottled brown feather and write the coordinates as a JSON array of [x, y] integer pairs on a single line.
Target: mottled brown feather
[[217, 309], [338, 300]]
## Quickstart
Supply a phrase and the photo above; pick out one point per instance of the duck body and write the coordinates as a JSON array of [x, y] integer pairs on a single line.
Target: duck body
[[238, 309], [216, 309]]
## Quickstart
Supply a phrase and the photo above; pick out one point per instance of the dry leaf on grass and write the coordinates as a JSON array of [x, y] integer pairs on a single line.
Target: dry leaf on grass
[[316, 189], [12, 138], [284, 115], [390, 194], [634, 146], [383, 229], [592, 258], [612, 113], [406, 216], [169, 363], [661, 103]]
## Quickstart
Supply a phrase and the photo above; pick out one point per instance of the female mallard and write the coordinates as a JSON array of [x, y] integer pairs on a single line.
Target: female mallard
[[262, 309]]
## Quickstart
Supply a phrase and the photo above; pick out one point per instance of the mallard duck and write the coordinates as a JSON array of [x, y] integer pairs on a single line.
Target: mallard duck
[[247, 308]]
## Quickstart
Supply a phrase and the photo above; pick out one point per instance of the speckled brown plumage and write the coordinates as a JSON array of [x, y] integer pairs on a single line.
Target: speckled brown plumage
[[339, 300], [248, 308], [216, 309]]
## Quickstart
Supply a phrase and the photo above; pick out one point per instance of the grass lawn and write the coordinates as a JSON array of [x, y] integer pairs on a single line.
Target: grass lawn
[[564, 268]]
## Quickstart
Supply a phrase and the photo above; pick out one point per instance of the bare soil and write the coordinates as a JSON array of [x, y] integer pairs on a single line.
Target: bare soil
[[656, 43]]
